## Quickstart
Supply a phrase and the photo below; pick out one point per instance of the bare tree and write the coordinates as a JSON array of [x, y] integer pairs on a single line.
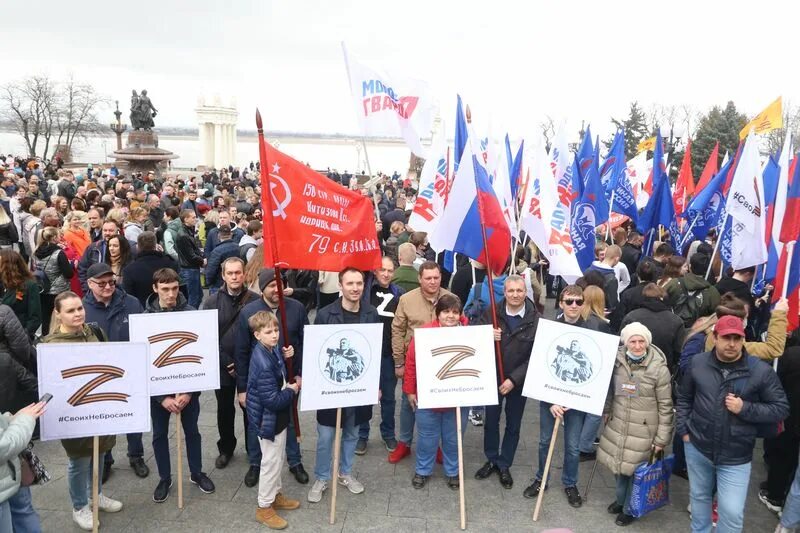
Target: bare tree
[[548, 127], [30, 106], [76, 117]]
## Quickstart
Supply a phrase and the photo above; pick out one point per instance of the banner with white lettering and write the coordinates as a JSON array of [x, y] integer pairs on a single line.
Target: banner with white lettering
[[341, 365], [184, 350], [570, 366], [455, 366], [98, 389]]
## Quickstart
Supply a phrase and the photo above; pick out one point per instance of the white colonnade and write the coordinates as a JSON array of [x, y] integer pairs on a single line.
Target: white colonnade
[[217, 132]]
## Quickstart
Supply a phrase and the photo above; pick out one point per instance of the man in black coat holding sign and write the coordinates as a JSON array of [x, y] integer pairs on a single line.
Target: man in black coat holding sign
[[348, 309], [517, 319]]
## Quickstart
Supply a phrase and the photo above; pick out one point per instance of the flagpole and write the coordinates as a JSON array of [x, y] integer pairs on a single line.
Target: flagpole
[[716, 245], [610, 211], [266, 195], [689, 229]]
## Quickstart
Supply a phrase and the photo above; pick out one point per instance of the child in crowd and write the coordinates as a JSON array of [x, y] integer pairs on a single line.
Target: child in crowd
[[269, 397]]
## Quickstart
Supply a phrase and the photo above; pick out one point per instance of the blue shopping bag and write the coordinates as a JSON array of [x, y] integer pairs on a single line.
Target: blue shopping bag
[[651, 484]]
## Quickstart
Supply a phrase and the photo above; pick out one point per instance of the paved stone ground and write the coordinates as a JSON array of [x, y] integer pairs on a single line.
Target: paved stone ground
[[389, 503]]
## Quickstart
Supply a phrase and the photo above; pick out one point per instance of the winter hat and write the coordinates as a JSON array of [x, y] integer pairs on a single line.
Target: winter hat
[[633, 329], [265, 277]]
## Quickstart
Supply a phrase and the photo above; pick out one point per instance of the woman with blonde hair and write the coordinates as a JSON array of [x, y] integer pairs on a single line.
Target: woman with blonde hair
[[76, 230], [253, 267], [594, 303], [53, 261]]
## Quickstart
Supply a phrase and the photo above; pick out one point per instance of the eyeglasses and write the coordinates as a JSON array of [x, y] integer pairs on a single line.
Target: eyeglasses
[[104, 284], [573, 302]]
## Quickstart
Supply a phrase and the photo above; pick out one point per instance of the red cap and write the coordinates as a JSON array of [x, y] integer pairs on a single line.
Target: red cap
[[730, 325]]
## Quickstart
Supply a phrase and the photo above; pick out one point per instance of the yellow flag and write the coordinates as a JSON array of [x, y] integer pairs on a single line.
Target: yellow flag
[[769, 119], [646, 144]]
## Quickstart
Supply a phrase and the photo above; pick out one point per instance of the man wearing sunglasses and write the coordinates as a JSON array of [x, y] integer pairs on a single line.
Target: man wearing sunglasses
[[108, 307], [571, 304]]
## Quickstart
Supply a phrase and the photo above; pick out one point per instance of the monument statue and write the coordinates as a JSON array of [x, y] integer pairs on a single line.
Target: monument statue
[[142, 111]]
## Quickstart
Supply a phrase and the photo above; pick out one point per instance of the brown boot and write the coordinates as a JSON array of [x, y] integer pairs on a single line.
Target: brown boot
[[282, 502], [268, 517]]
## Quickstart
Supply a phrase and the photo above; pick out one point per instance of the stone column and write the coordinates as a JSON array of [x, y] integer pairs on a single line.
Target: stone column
[[231, 145], [233, 142], [209, 154], [219, 154], [203, 143]]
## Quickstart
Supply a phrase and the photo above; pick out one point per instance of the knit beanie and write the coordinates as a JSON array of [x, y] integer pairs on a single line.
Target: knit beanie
[[636, 328]]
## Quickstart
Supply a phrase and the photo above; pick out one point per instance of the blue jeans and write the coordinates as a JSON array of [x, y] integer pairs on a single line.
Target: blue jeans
[[503, 456], [191, 278], [573, 423], [5, 518], [591, 425], [293, 455], [388, 384], [624, 488], [24, 517], [434, 427], [325, 437], [731, 483], [79, 478], [189, 416], [406, 435], [791, 509]]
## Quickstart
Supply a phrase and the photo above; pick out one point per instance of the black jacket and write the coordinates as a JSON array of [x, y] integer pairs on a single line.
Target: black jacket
[[190, 255], [8, 234], [296, 318], [740, 289], [666, 328], [228, 309], [332, 314], [137, 277], [721, 436], [516, 344], [15, 356], [630, 257], [789, 375]]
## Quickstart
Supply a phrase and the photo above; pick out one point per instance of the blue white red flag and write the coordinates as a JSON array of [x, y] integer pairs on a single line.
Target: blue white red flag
[[471, 203], [775, 246], [745, 206]]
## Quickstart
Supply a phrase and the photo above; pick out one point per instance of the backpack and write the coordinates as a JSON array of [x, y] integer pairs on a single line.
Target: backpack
[[475, 308], [688, 304], [244, 248], [40, 275]]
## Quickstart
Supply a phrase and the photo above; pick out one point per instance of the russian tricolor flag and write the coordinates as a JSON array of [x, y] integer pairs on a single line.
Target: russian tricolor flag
[[471, 204]]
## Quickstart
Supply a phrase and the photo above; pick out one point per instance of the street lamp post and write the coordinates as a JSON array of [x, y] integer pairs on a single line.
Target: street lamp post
[[118, 127]]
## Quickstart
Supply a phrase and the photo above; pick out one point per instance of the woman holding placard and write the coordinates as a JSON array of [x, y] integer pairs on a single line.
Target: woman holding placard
[[69, 325], [638, 413], [435, 425]]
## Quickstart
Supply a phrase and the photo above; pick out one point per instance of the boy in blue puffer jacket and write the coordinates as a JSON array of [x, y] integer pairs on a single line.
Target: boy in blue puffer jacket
[[269, 397]]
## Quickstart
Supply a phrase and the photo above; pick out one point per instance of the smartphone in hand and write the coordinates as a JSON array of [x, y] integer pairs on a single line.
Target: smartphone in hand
[[46, 398]]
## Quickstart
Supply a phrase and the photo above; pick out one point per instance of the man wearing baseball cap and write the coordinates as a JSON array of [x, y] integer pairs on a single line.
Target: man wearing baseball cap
[[726, 400]]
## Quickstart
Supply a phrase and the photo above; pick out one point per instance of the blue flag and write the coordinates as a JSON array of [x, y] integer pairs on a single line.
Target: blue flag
[[659, 210], [620, 186], [516, 167], [458, 150], [584, 159], [703, 213]]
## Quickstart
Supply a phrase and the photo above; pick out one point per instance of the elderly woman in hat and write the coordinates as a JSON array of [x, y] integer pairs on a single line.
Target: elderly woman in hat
[[638, 413]]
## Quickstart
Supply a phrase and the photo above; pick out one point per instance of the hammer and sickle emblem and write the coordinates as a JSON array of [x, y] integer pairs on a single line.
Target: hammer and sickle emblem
[[279, 208]]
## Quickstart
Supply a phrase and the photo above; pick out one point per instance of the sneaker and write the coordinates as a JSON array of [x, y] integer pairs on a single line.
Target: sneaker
[[587, 456], [361, 447], [222, 461], [390, 443], [315, 494], [573, 496], [401, 451], [299, 473], [773, 505], [452, 482], [161, 493], [419, 481], [84, 519], [283, 503], [486, 470], [203, 483], [268, 517], [533, 490], [252, 475], [476, 418], [506, 480], [352, 484], [614, 508], [106, 504], [139, 468]]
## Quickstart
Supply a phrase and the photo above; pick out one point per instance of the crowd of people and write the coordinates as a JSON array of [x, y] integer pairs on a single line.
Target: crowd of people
[[82, 251]]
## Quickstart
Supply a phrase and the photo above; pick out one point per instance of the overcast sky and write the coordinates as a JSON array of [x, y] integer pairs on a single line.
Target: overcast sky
[[512, 61]]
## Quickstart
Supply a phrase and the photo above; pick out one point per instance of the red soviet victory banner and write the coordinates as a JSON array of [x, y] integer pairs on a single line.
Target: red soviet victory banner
[[317, 224]]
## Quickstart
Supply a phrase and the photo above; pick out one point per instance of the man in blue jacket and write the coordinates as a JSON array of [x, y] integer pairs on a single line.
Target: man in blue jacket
[[348, 309], [296, 318], [108, 307], [726, 399], [226, 248]]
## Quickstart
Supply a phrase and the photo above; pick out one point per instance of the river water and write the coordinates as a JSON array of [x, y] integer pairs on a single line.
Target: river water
[[320, 153]]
